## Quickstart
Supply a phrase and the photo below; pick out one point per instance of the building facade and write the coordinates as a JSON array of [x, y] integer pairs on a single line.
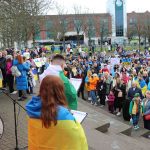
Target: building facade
[[113, 26], [90, 28], [117, 10]]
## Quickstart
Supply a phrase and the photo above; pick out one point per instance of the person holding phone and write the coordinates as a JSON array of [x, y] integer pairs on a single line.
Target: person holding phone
[[51, 125]]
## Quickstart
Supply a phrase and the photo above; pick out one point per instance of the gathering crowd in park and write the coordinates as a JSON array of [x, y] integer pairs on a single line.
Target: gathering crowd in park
[[119, 81]]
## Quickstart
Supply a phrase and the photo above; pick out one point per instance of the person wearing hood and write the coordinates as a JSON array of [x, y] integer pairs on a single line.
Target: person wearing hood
[[51, 125], [57, 68]]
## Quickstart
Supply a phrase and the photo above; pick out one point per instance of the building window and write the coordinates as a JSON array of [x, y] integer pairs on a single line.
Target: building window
[[37, 32], [49, 25], [132, 21], [64, 25], [104, 26], [91, 28], [78, 25]]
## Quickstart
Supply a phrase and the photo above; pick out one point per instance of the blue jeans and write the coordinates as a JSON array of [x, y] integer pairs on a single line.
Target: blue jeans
[[135, 119], [93, 96]]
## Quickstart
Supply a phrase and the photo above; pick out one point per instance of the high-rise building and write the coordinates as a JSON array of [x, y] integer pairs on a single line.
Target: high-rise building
[[117, 10]]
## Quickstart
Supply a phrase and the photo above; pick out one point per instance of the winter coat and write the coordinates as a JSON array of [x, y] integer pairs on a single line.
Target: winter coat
[[8, 68], [2, 63], [93, 83], [22, 82], [87, 85], [111, 97], [134, 108], [101, 87], [148, 88], [132, 92], [146, 107]]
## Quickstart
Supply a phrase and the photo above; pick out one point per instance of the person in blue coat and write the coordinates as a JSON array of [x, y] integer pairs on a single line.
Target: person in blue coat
[[21, 81]]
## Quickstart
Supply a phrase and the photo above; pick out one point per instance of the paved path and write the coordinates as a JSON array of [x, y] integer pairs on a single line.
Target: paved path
[[112, 140]]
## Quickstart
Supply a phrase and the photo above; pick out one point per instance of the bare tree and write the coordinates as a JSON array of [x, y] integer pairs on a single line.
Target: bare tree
[[147, 28], [90, 28], [78, 21], [20, 18], [137, 28], [103, 30]]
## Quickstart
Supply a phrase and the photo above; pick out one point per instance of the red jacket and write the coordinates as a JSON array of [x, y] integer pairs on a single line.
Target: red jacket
[[111, 97]]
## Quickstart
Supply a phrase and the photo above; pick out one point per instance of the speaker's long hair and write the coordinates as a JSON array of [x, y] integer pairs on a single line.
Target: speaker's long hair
[[52, 95]]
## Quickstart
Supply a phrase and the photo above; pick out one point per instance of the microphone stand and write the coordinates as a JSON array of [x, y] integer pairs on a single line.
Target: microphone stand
[[15, 118]]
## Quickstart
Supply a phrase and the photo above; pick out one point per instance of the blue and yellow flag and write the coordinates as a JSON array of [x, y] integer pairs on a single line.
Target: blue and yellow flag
[[68, 134]]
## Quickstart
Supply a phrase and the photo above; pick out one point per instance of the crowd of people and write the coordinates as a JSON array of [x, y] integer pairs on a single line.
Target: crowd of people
[[18, 66], [118, 81]]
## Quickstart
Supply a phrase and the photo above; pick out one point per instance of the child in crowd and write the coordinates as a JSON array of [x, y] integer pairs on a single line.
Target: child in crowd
[[135, 109], [111, 98]]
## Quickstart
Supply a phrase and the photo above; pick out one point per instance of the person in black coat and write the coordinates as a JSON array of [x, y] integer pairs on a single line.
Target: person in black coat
[[81, 89], [3, 68], [101, 88], [119, 98], [132, 91]]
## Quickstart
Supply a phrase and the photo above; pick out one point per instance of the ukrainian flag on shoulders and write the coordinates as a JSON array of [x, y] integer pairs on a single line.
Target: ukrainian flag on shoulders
[[68, 134]]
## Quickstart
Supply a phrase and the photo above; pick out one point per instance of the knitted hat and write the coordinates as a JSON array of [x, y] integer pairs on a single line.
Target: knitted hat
[[9, 57], [136, 95]]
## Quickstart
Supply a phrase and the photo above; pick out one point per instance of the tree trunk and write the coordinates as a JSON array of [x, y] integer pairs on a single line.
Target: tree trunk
[[78, 38], [149, 40], [90, 41], [64, 43], [145, 41], [101, 43], [139, 42], [33, 38]]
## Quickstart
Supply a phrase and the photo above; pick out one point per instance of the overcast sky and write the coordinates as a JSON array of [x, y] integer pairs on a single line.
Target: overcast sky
[[99, 6]]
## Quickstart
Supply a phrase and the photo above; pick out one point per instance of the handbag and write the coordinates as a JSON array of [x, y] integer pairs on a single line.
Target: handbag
[[120, 94], [147, 117], [15, 71]]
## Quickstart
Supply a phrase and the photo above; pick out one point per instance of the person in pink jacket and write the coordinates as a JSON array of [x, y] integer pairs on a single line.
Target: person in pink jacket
[[111, 99], [9, 76]]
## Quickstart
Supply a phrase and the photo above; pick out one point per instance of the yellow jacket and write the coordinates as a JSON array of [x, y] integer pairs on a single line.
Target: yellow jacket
[[93, 82]]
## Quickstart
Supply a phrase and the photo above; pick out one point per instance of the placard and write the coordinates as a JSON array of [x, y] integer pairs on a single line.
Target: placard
[[38, 62], [76, 83], [115, 61], [27, 55], [126, 61], [79, 115]]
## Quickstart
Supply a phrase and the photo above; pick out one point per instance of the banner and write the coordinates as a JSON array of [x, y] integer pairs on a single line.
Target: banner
[[115, 61], [76, 83], [34, 71], [126, 61], [27, 55], [38, 62]]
